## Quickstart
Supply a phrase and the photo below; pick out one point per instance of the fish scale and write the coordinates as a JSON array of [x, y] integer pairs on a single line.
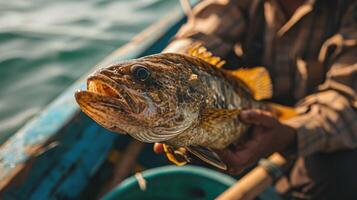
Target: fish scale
[[187, 100]]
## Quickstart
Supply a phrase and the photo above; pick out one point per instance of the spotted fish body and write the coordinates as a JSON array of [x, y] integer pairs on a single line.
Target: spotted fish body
[[176, 99], [221, 98]]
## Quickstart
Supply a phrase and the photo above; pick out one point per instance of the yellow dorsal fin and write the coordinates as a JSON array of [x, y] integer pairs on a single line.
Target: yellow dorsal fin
[[257, 79], [199, 51]]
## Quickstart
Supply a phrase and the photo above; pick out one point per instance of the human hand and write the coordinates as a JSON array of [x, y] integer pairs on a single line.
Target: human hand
[[268, 136]]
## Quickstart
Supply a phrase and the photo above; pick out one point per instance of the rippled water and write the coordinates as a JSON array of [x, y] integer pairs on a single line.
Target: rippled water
[[46, 45]]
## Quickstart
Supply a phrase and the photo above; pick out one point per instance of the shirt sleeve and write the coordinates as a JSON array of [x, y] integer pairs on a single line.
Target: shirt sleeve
[[217, 24], [328, 118]]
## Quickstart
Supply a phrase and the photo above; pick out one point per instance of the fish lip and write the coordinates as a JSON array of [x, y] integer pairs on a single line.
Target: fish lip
[[88, 103], [103, 80], [86, 98], [134, 101]]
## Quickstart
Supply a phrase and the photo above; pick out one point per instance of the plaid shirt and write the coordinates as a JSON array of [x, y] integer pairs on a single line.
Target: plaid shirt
[[311, 57]]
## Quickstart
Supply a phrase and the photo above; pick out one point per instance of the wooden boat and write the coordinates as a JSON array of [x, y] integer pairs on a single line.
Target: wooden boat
[[63, 154]]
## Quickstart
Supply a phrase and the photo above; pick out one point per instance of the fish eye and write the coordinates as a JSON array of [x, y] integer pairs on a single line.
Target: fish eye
[[140, 72]]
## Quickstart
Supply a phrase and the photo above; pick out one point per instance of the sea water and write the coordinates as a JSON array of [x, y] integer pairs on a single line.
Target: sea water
[[46, 45]]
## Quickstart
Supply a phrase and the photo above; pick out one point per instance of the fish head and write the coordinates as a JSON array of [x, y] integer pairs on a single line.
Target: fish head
[[153, 98]]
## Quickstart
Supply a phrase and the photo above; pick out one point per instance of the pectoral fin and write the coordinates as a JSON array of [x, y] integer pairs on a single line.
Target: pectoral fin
[[208, 156], [177, 156], [180, 157]]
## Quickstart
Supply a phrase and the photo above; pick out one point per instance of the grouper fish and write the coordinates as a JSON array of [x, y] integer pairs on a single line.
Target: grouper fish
[[185, 101]]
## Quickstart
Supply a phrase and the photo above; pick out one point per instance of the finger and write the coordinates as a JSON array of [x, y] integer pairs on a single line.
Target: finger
[[158, 148], [258, 117]]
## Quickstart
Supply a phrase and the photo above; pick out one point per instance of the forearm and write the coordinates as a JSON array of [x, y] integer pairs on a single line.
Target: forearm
[[327, 122], [178, 46], [328, 118], [217, 24]]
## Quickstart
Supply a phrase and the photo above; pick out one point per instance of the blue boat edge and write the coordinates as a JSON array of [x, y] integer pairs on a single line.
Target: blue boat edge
[[49, 135]]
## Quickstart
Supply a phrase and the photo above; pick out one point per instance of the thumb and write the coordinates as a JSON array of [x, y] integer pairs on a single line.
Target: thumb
[[258, 117]]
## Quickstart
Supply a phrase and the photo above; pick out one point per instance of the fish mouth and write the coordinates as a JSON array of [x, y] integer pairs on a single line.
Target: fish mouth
[[102, 91]]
